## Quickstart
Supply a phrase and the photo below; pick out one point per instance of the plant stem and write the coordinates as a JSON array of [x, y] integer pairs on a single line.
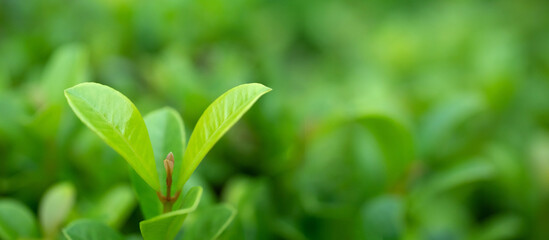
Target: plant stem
[[168, 201]]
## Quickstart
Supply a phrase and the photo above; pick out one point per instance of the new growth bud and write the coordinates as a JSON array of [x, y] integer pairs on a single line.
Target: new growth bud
[[168, 200], [168, 164]]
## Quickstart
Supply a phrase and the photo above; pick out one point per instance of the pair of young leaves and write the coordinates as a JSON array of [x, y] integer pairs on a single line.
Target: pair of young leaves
[[118, 122]]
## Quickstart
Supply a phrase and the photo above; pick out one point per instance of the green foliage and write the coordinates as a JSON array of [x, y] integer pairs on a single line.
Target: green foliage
[[16, 220], [67, 67], [166, 226], [86, 229], [390, 120], [115, 206], [148, 200], [395, 142], [55, 207], [117, 121], [209, 223], [167, 134], [216, 120], [384, 218]]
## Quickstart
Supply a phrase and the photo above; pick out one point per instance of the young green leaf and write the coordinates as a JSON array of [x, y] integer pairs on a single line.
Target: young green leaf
[[167, 225], [16, 220], [86, 229], [216, 120], [167, 135], [210, 222], [117, 121], [55, 207]]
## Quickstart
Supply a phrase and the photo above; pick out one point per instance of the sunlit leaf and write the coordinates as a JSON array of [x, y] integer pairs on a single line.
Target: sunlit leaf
[[167, 225], [216, 120], [118, 122], [16, 221], [86, 229], [55, 207], [167, 135]]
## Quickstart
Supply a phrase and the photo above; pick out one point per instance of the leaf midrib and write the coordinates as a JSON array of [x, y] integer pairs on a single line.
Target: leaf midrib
[[216, 132], [112, 126]]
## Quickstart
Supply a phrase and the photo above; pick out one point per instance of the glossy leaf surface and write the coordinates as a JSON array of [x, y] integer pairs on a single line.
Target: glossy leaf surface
[[167, 225], [216, 120], [118, 122]]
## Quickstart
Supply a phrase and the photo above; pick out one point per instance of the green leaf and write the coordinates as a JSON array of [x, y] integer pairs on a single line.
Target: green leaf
[[395, 142], [68, 66], [506, 226], [148, 200], [384, 218], [466, 173], [439, 126], [210, 222], [117, 121], [370, 154], [167, 225], [255, 210], [116, 206], [216, 120], [86, 229], [16, 220], [167, 135], [46, 121], [55, 207], [4, 79]]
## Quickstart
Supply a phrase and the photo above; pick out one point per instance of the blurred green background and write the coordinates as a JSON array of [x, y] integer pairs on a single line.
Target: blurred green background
[[387, 119]]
